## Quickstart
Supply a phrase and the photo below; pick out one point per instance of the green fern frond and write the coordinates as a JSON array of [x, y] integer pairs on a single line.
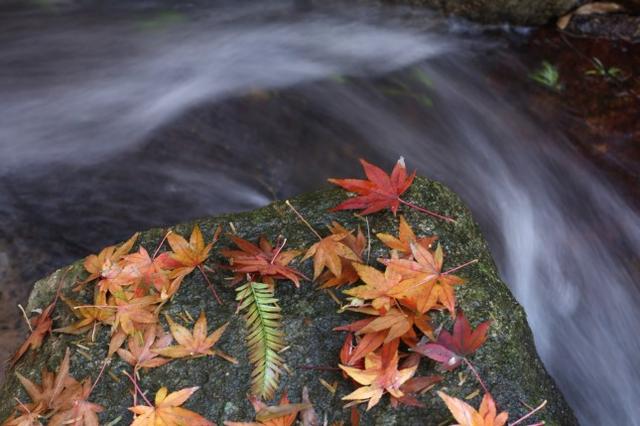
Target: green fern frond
[[265, 337]]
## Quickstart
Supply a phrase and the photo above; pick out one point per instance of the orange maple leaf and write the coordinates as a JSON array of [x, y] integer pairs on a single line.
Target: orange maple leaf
[[196, 344], [283, 414], [466, 415], [167, 411], [189, 255], [101, 265], [53, 384], [380, 375], [424, 284], [329, 253], [378, 286], [265, 261], [406, 236], [348, 275]]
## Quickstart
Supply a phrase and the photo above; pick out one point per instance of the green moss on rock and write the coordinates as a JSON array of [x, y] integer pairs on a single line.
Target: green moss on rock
[[508, 361]]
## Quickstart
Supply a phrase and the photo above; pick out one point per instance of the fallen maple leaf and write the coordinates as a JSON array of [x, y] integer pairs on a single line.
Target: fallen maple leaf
[[405, 238], [196, 344], [380, 191], [378, 286], [424, 284], [89, 317], [466, 415], [451, 349], [283, 414], [268, 262], [52, 385], [329, 252], [76, 410], [100, 265], [190, 254], [348, 274], [140, 354], [380, 375], [167, 411], [40, 326]]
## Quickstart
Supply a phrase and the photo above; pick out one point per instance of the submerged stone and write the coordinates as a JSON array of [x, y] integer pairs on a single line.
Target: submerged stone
[[508, 361]]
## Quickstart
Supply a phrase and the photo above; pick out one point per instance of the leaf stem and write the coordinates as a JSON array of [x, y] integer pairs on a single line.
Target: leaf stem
[[531, 413], [211, 287], [155, 253], [475, 373], [137, 388], [106, 362], [429, 212], [303, 219], [452, 270]]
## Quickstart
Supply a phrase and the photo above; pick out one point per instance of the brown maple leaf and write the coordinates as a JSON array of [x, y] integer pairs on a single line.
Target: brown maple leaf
[[76, 410], [46, 394], [89, 317], [265, 261], [40, 327], [379, 376], [194, 344], [380, 190], [466, 415], [140, 353], [357, 243], [283, 414], [167, 410], [405, 238]]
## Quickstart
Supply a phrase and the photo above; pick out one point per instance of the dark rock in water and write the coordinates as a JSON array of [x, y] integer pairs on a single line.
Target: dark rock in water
[[518, 12], [618, 26], [508, 361]]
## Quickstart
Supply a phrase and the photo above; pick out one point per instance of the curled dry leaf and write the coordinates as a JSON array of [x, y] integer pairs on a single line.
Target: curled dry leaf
[[283, 414], [589, 9]]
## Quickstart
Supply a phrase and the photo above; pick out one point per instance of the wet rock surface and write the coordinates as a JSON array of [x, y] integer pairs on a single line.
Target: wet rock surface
[[520, 12], [508, 361]]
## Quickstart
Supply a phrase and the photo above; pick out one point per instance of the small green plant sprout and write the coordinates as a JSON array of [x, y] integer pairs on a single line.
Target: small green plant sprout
[[548, 76], [599, 69]]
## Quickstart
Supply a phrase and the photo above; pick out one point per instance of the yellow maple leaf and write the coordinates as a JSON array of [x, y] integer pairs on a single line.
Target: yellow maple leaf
[[167, 411]]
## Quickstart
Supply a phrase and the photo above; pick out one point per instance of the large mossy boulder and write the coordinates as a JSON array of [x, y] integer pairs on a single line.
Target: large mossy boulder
[[518, 12], [508, 361]]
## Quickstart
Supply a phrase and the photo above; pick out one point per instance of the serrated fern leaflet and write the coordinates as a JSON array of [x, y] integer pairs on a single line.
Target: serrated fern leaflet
[[265, 337]]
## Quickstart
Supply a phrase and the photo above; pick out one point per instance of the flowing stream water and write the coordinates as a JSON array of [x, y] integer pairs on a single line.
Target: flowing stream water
[[118, 118]]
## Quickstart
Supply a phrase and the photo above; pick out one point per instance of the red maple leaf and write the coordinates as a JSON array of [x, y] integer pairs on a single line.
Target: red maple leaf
[[264, 261], [380, 190], [451, 349]]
